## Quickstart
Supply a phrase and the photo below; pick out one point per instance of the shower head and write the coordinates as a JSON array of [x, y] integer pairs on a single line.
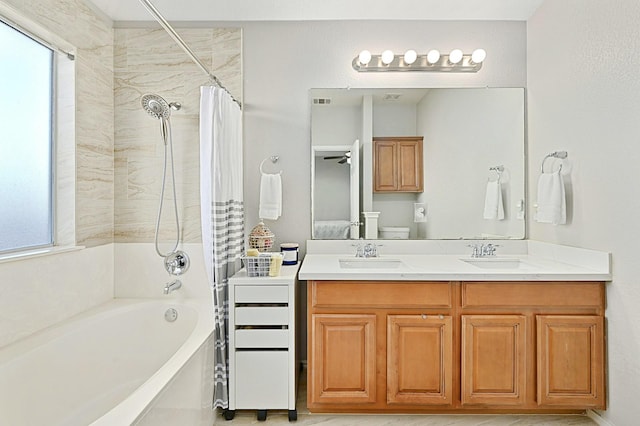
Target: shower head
[[157, 107]]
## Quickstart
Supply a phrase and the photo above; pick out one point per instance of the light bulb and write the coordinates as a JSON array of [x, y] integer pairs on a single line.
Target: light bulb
[[387, 57], [433, 56], [478, 56], [410, 56], [455, 56], [364, 57]]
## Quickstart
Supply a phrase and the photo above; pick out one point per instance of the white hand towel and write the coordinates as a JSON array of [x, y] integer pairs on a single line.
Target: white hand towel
[[493, 206], [552, 207], [270, 196]]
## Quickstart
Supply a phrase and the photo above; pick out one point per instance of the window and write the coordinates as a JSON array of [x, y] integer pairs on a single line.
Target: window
[[26, 142]]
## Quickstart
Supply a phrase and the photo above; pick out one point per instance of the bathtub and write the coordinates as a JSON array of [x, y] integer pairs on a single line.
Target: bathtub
[[109, 366]]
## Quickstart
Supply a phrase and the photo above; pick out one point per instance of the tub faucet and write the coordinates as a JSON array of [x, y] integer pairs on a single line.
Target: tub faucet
[[172, 286]]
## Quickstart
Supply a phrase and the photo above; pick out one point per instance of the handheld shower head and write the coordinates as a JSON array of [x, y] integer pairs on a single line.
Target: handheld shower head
[[156, 106]]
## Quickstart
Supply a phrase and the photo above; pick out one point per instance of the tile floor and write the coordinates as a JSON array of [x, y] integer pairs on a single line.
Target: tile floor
[[275, 417]]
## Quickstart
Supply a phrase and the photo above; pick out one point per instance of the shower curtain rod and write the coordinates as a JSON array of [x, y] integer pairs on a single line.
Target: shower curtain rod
[[176, 37]]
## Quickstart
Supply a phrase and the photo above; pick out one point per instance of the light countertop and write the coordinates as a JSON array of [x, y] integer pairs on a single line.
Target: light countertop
[[531, 261]]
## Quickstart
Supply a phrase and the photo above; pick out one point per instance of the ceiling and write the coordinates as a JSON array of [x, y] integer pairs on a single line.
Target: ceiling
[[309, 10]]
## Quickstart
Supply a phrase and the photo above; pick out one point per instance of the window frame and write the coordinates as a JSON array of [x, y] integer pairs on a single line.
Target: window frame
[[62, 135]]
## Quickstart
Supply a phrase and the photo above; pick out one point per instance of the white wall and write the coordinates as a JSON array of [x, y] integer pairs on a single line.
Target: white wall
[[331, 190], [583, 97], [486, 126], [283, 60]]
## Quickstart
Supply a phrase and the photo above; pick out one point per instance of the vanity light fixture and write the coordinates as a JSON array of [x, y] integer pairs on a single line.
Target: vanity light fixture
[[455, 56], [364, 57], [387, 57], [455, 61], [433, 56], [410, 56]]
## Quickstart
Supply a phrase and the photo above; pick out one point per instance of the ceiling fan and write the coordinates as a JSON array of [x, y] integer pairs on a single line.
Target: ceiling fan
[[344, 158]]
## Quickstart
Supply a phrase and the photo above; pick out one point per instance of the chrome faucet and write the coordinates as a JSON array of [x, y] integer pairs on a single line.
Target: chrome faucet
[[367, 250], [172, 286], [483, 250]]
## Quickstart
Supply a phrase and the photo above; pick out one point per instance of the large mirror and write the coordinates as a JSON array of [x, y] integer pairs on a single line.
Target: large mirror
[[471, 165]]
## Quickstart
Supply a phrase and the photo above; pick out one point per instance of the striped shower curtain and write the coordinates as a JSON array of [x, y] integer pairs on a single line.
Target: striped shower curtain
[[222, 214]]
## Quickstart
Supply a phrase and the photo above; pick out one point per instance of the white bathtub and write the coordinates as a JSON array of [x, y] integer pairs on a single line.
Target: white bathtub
[[108, 366]]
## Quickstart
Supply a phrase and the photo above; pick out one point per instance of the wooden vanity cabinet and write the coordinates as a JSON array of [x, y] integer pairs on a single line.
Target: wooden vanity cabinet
[[375, 345], [494, 354], [420, 359], [398, 164], [456, 347], [552, 351]]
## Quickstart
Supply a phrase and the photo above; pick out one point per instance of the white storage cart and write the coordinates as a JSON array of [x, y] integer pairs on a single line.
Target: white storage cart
[[263, 360]]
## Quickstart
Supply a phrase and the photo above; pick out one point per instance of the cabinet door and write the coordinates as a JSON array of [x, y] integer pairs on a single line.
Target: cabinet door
[[419, 359], [493, 359], [343, 359], [410, 166], [385, 166], [570, 357]]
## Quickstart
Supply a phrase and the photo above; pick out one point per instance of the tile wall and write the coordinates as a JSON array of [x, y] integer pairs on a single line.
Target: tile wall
[[149, 61]]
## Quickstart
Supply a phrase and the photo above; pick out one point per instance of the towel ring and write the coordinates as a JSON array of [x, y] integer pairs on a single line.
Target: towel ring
[[274, 159], [557, 154]]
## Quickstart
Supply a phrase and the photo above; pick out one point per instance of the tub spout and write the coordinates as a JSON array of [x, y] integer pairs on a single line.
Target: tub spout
[[172, 286]]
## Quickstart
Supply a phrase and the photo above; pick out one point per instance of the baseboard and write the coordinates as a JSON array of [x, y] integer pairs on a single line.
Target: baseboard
[[598, 419]]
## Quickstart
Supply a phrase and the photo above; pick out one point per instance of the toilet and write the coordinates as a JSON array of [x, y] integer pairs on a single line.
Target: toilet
[[393, 233]]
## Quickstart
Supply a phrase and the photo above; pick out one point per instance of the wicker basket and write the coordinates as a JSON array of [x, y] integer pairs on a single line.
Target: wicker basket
[[261, 238]]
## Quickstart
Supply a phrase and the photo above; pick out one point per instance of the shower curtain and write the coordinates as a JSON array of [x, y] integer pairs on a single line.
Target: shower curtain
[[222, 214]]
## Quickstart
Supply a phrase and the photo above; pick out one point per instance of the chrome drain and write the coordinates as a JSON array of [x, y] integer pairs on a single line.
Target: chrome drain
[[171, 315]]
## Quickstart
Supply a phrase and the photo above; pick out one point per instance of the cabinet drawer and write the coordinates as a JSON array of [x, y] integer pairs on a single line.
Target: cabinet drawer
[[521, 294], [261, 294], [262, 338], [262, 379], [262, 315], [403, 294]]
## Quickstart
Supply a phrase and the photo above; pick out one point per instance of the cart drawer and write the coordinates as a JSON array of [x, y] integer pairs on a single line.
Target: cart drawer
[[262, 315], [262, 338], [262, 294], [262, 379]]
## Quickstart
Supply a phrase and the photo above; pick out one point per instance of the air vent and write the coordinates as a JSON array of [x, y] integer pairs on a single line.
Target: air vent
[[391, 96], [321, 101]]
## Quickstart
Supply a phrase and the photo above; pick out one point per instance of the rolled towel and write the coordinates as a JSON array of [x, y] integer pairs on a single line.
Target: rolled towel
[[552, 204], [493, 206], [270, 196]]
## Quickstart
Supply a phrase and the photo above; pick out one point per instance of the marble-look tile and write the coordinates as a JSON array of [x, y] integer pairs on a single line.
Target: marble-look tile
[[41, 291], [278, 417], [138, 148]]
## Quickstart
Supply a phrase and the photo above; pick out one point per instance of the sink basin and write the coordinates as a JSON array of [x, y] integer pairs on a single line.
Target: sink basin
[[370, 263], [495, 263]]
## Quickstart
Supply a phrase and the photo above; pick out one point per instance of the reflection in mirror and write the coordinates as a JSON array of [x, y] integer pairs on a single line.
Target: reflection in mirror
[[472, 163]]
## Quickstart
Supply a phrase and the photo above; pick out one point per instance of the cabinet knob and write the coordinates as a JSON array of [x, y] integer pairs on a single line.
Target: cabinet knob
[[424, 316], [441, 316]]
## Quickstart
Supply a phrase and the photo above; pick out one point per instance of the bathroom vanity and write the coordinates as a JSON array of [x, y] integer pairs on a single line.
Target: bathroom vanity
[[446, 333]]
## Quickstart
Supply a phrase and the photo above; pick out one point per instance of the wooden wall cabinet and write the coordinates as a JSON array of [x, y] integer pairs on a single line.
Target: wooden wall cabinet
[[398, 164], [456, 347]]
